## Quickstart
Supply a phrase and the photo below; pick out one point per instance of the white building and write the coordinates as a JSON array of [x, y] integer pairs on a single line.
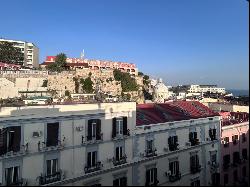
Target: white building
[[206, 88], [30, 51], [160, 92], [109, 144]]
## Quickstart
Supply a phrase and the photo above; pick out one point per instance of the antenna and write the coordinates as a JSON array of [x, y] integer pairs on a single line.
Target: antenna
[[82, 54]]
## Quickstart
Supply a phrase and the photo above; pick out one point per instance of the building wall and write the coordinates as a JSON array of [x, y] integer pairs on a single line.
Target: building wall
[[227, 107], [72, 155], [229, 131]]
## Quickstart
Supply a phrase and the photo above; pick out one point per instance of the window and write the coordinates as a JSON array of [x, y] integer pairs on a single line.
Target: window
[[10, 139], [174, 168], [235, 139], [118, 153], [92, 159], [235, 175], [151, 176], [120, 181], [52, 134], [244, 138], [244, 154], [149, 145], [94, 129], [172, 142], [226, 179], [193, 138], [194, 163], [226, 141], [244, 171], [119, 127], [12, 175], [195, 183], [213, 158], [52, 167], [226, 161], [236, 157], [212, 134]]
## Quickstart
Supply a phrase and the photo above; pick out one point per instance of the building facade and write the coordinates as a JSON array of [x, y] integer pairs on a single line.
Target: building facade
[[110, 144], [30, 51], [206, 88], [74, 63], [234, 149]]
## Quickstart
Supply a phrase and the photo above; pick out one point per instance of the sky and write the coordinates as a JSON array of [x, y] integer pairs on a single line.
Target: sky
[[181, 41]]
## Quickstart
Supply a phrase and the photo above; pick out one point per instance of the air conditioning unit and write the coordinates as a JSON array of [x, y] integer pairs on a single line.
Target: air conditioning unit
[[79, 129], [168, 173], [165, 149], [37, 134], [188, 143]]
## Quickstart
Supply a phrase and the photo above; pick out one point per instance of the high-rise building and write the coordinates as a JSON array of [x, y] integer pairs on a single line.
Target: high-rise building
[[30, 51]]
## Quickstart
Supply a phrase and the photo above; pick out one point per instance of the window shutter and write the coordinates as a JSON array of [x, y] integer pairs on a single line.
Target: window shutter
[[3, 141], [125, 126], [94, 155], [1, 173], [214, 132], [89, 159], [169, 140], [98, 129], [195, 135], [171, 168], [17, 137], [155, 175], [124, 181], [114, 128], [52, 134], [147, 177], [89, 136], [190, 136], [175, 139], [210, 133], [117, 153], [116, 182], [177, 167]]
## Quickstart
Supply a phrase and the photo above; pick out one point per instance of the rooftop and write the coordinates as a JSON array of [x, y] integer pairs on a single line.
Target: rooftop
[[152, 113]]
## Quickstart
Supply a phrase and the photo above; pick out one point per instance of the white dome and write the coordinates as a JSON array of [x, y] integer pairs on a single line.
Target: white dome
[[160, 87]]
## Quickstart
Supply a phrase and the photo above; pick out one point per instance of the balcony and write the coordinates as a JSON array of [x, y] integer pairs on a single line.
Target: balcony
[[43, 146], [96, 167], [150, 152], [195, 169], [121, 136], [23, 149], [173, 147], [152, 183], [93, 139], [194, 142], [173, 178], [46, 179], [121, 161]]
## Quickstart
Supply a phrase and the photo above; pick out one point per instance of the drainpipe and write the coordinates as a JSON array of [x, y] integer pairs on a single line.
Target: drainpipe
[[239, 148]]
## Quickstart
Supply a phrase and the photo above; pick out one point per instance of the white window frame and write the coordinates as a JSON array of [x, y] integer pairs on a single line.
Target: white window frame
[[52, 162], [119, 126], [12, 169]]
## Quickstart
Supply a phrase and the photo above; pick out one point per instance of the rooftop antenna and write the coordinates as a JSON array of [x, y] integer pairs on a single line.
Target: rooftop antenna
[[82, 54]]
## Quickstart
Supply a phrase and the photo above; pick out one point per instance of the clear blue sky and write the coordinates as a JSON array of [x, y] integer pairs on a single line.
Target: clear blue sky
[[182, 41]]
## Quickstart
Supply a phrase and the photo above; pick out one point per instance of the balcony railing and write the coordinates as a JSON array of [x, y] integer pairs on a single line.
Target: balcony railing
[[173, 178], [150, 152], [195, 169], [46, 179], [42, 146], [96, 167], [152, 183], [121, 161], [120, 136], [173, 147], [20, 151], [93, 139], [194, 142]]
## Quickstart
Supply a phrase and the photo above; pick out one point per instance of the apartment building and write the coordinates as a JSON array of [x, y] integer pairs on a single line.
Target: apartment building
[[116, 144], [30, 51], [206, 88], [235, 149]]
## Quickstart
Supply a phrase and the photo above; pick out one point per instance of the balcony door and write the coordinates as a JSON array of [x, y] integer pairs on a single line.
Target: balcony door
[[92, 159], [174, 168], [52, 167], [12, 175], [52, 134]]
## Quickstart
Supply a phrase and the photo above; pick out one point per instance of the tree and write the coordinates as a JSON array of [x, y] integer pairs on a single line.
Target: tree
[[87, 85], [10, 54], [127, 82], [59, 64]]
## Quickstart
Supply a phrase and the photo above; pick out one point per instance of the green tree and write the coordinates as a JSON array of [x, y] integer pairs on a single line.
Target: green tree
[[127, 82], [87, 85], [10, 54], [59, 64], [67, 93]]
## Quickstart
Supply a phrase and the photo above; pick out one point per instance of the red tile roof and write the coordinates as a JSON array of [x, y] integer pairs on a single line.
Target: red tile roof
[[175, 111]]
